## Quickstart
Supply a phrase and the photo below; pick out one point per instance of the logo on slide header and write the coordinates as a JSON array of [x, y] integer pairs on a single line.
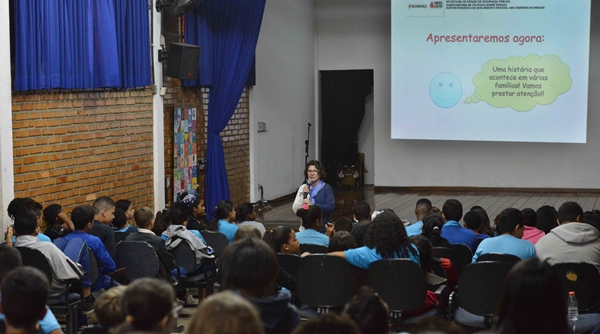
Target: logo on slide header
[[432, 5], [425, 8]]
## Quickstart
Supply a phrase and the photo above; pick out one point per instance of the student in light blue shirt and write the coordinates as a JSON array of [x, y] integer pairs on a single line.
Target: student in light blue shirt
[[225, 214], [312, 221], [422, 208], [386, 239], [510, 228]]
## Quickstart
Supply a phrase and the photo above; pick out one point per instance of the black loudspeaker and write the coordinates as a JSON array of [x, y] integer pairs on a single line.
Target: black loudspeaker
[[183, 61]]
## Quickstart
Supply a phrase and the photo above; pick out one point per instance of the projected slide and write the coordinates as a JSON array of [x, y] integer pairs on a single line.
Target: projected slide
[[490, 70]]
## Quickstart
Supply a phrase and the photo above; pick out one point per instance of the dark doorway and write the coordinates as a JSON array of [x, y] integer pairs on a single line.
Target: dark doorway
[[343, 95]]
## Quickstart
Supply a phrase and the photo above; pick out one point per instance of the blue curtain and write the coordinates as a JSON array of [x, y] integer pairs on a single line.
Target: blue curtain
[[227, 32], [73, 44]]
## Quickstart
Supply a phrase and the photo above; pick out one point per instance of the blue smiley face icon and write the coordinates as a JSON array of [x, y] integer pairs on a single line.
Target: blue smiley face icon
[[445, 90]]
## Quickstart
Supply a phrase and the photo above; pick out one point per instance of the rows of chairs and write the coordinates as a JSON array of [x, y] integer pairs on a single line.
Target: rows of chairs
[[323, 284]]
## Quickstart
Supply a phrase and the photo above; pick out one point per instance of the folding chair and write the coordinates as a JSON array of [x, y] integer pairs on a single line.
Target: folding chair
[[313, 249], [499, 257]]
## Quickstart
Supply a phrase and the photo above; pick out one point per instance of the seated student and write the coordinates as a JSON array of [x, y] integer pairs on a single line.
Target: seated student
[[368, 311], [452, 230], [148, 305], [127, 207], [161, 222], [532, 300], [247, 231], [245, 215], [432, 230], [312, 222], [592, 218], [24, 295], [422, 209], [473, 222], [385, 239], [144, 220], [10, 259], [177, 231], [250, 268], [341, 241], [223, 221], [329, 323], [83, 219], [196, 211], [341, 224], [508, 241], [362, 215], [428, 262], [530, 232], [282, 239], [485, 227], [546, 218], [62, 267], [225, 313], [29, 204], [119, 224], [57, 223], [108, 307], [105, 213], [572, 241]]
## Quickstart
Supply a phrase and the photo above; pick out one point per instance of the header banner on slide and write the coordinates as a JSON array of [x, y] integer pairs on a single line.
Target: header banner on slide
[[490, 70]]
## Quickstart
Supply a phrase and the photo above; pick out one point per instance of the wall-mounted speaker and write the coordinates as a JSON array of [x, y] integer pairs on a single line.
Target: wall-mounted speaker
[[183, 61]]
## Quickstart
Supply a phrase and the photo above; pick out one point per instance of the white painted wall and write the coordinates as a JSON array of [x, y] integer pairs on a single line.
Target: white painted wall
[[355, 34], [7, 176], [283, 97]]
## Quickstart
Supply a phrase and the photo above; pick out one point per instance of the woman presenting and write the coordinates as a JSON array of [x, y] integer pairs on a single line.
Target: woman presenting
[[316, 192]]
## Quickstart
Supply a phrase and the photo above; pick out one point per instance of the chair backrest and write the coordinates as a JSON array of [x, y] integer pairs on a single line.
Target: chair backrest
[[451, 255], [94, 272], [500, 257], [218, 241], [584, 279], [289, 262], [34, 258], [184, 256], [464, 253], [313, 249], [76, 250], [120, 236], [323, 281], [480, 285], [139, 258], [399, 282]]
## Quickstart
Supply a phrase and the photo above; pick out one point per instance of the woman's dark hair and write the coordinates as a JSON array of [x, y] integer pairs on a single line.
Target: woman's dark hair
[[485, 227], [532, 300], [425, 251], [146, 301], [51, 213], [310, 216], [341, 241], [432, 227], [249, 265], [343, 224], [388, 236], [161, 222], [546, 218], [123, 204], [223, 209], [178, 214], [473, 220], [277, 237], [592, 218], [368, 312], [319, 166], [529, 217], [189, 201], [508, 220], [120, 219], [243, 211]]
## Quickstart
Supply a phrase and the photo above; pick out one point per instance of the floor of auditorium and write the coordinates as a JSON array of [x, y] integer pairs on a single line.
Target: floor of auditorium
[[280, 212]]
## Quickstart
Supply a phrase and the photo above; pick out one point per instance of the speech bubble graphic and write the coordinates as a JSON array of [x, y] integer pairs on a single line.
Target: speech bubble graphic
[[521, 83]]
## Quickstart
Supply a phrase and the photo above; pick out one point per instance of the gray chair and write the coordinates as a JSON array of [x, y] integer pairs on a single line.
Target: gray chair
[[139, 258], [499, 257], [186, 258], [289, 262]]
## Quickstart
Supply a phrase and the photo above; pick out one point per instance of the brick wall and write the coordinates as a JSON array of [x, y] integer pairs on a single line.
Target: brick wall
[[71, 147], [236, 137]]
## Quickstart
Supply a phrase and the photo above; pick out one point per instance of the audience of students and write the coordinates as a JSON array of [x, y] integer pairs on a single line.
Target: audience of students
[[368, 311], [432, 230], [339, 225], [508, 241], [119, 224], [341, 241], [312, 220], [546, 218], [247, 231], [530, 232], [245, 216], [127, 207], [196, 211], [452, 231], [422, 209], [282, 239], [104, 207], [108, 307], [473, 222], [225, 218], [362, 216], [485, 227], [58, 223]]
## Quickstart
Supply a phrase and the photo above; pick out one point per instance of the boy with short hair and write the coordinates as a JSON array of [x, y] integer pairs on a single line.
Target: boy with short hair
[[104, 215]]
